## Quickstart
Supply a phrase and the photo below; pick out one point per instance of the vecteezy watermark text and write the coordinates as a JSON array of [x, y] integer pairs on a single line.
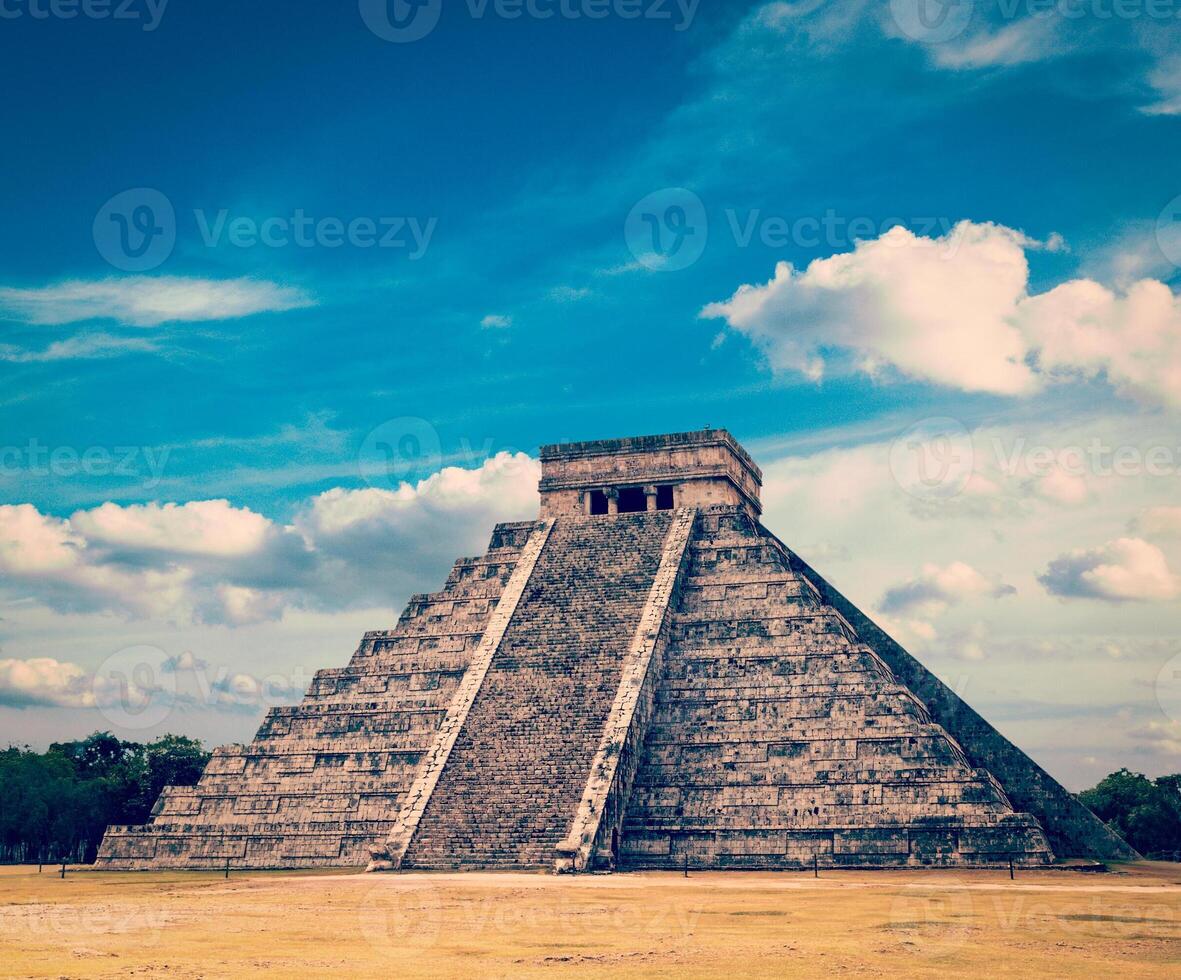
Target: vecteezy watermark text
[[1095, 458], [832, 230], [668, 230], [404, 21], [149, 12], [298, 229], [136, 230], [936, 457], [37, 459], [940, 21]]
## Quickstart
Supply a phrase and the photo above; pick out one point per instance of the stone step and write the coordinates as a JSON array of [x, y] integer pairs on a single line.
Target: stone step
[[514, 778]]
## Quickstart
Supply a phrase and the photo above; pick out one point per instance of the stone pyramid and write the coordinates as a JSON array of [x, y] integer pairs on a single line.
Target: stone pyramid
[[644, 677]]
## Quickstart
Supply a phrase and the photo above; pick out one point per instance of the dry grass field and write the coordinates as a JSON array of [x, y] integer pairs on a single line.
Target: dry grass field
[[1058, 923]]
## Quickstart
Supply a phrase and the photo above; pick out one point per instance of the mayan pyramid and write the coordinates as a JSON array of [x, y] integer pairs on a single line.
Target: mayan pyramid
[[643, 677]]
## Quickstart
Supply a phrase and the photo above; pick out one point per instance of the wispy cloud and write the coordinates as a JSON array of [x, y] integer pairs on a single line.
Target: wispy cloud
[[496, 321], [82, 347], [147, 301]]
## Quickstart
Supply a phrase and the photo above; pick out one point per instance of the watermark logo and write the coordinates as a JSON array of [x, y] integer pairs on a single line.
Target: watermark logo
[[1168, 231], [148, 12], [133, 688], [667, 230], [394, 916], [36, 459], [135, 231], [935, 919], [401, 450], [401, 21], [1168, 689], [933, 459], [931, 21]]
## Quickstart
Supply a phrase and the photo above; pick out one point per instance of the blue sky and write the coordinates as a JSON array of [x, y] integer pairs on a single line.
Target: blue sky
[[1011, 185]]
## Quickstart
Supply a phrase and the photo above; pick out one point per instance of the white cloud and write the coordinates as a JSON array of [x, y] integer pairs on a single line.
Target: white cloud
[[496, 321], [147, 301], [208, 561], [44, 681], [32, 543], [956, 311], [1165, 79], [201, 527], [938, 586], [934, 309], [1121, 570], [239, 605], [1081, 328]]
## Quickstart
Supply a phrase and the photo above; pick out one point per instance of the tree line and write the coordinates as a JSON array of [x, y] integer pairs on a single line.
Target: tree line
[[55, 805], [1144, 812]]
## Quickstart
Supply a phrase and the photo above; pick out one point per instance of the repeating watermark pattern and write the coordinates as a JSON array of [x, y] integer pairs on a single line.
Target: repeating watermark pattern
[[938, 917], [70, 922], [146, 13], [830, 230], [933, 459], [139, 687], [408, 449], [1168, 231], [940, 21], [405, 21], [1096, 457], [932, 21], [402, 450], [136, 230], [667, 230], [392, 918], [394, 915], [133, 689], [142, 463], [408, 233], [1168, 689]]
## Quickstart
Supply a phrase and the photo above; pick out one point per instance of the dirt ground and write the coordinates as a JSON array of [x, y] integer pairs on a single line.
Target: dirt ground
[[193, 924]]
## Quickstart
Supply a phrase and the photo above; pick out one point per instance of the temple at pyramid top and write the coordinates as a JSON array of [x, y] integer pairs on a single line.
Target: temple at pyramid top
[[623, 476]]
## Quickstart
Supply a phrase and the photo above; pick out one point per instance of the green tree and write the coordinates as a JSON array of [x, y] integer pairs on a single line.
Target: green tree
[[58, 803], [1144, 812]]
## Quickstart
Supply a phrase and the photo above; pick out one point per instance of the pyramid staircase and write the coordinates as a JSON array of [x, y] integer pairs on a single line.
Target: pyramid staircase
[[518, 770]]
